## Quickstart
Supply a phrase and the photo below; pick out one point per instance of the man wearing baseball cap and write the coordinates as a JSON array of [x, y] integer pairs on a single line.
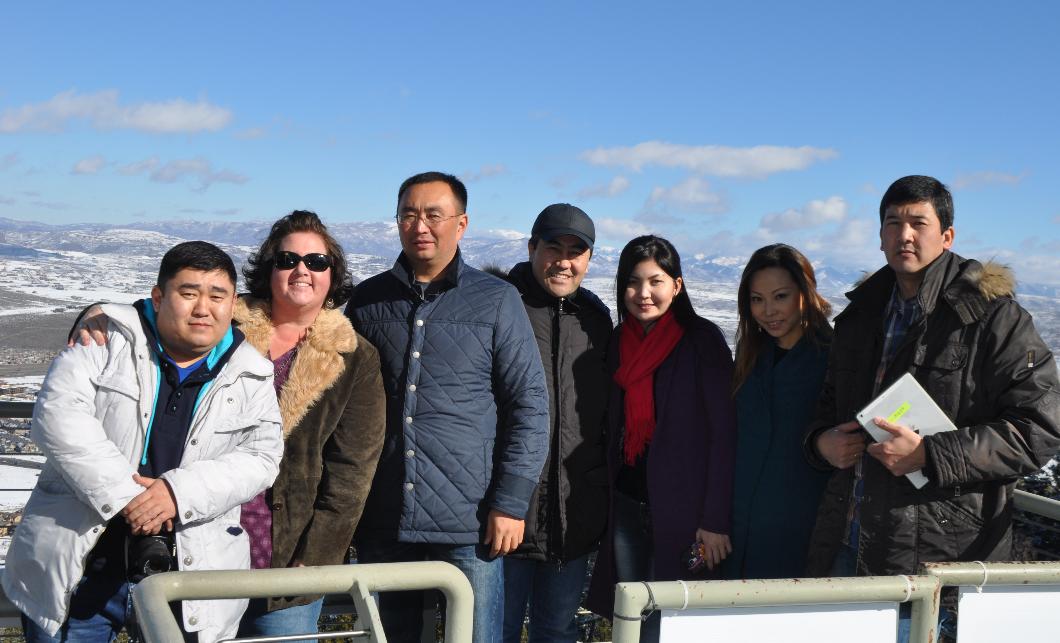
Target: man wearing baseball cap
[[568, 510]]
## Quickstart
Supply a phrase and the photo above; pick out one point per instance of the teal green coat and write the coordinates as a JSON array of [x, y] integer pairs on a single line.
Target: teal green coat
[[776, 493]]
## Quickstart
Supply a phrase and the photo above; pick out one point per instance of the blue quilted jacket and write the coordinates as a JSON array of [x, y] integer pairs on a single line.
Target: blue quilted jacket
[[467, 410]]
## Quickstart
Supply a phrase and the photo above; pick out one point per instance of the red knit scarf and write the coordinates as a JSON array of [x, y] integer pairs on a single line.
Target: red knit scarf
[[640, 354]]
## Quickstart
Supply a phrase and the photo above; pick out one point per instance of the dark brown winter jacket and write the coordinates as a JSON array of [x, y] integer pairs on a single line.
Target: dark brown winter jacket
[[334, 419], [977, 353]]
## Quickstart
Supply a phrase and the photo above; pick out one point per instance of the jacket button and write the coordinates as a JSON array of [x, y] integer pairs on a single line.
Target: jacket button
[[95, 530], [106, 509], [194, 441], [410, 453], [419, 322], [408, 420], [187, 514], [412, 387], [415, 354], [188, 560], [194, 620], [276, 506], [409, 485]]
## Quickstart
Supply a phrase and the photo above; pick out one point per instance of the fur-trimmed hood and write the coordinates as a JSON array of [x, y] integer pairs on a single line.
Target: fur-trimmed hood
[[997, 280], [966, 285], [993, 280], [317, 364]]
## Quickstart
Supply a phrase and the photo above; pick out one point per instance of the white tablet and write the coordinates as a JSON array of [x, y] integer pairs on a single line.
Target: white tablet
[[905, 402]]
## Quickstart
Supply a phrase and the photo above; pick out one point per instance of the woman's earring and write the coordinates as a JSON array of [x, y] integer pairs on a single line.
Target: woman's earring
[[329, 303]]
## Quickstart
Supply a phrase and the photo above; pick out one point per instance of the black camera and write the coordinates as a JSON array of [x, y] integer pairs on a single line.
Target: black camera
[[147, 555]]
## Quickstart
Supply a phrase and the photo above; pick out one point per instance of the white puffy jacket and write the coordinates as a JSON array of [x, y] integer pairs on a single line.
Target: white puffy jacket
[[90, 420]]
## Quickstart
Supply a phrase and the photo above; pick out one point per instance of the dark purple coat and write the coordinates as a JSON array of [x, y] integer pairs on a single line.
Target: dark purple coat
[[691, 458]]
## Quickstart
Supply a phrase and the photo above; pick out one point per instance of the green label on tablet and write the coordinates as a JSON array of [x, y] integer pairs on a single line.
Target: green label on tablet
[[897, 415]]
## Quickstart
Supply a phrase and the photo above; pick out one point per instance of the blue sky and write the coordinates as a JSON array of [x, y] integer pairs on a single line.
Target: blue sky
[[722, 127]]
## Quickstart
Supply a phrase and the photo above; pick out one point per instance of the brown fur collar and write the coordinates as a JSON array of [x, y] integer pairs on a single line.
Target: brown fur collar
[[319, 360], [996, 281]]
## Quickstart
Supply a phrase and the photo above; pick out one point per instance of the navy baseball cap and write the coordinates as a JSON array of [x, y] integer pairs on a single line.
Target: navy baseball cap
[[559, 219]]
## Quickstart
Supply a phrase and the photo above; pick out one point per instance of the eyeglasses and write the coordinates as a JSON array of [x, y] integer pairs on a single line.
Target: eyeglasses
[[315, 261], [432, 219]]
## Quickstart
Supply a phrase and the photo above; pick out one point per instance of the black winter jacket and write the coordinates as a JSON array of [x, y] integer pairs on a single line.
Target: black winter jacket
[[976, 352], [568, 511]]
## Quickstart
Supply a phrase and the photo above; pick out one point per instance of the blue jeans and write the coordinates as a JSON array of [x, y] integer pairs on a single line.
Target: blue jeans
[[402, 612], [99, 609], [553, 592], [633, 547], [301, 619]]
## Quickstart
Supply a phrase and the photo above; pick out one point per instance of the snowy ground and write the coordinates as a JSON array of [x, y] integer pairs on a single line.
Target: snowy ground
[[16, 483]]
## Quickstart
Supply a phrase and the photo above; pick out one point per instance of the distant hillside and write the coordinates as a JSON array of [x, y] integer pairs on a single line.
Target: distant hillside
[[69, 264]]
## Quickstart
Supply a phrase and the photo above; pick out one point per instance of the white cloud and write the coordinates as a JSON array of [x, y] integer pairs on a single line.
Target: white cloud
[[250, 134], [619, 228], [612, 188], [9, 161], [198, 170], [483, 172], [139, 167], [103, 111], [815, 213], [501, 233], [718, 160], [6, 200], [90, 165], [973, 180], [690, 195], [51, 205]]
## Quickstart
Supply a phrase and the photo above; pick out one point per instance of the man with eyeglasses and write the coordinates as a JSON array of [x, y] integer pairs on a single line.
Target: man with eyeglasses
[[467, 409]]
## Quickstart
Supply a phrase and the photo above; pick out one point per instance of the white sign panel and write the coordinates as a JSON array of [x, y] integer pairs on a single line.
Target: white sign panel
[[873, 623], [1008, 613]]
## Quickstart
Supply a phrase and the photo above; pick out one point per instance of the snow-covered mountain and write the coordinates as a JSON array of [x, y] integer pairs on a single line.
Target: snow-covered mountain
[[97, 261]]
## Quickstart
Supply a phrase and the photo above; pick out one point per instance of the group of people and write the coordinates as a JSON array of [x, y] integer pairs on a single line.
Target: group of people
[[500, 422]]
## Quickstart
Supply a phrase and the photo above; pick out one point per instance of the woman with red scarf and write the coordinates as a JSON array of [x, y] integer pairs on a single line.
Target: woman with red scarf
[[672, 431]]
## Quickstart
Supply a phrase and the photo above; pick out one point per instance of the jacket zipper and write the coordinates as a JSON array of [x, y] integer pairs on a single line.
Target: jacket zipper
[[554, 504]]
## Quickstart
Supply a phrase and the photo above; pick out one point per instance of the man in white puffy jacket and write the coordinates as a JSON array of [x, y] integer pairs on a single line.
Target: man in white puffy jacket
[[153, 442]]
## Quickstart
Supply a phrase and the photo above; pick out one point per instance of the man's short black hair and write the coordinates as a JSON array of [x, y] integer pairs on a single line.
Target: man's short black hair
[[455, 184], [917, 189], [195, 255]]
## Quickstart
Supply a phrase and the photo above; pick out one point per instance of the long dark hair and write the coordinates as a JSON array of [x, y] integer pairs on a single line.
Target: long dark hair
[[258, 271], [663, 253], [815, 309]]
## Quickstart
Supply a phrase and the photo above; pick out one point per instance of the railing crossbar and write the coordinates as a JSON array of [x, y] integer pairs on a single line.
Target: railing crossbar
[[319, 636]]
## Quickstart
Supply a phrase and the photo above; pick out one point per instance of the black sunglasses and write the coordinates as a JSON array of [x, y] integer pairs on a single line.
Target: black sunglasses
[[315, 261]]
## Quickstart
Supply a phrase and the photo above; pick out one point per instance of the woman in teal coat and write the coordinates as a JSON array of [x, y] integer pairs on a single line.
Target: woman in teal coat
[[781, 355]]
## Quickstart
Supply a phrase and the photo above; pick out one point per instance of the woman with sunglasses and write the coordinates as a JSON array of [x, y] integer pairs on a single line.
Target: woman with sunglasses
[[671, 435], [333, 406]]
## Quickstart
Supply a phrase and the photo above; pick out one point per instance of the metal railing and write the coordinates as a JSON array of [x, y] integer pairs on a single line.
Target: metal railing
[[633, 599], [158, 624], [16, 410]]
